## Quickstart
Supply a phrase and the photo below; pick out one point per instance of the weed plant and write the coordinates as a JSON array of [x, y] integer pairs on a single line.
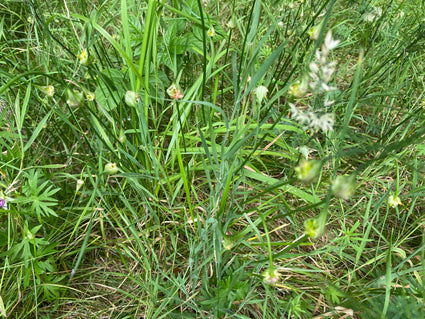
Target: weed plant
[[212, 159]]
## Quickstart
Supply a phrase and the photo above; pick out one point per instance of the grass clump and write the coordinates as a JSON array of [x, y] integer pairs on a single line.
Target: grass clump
[[183, 159]]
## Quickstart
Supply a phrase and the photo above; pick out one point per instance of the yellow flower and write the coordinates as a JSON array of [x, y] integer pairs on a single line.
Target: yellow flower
[[49, 90], [211, 32], [90, 96], [308, 170], [314, 227], [83, 57]]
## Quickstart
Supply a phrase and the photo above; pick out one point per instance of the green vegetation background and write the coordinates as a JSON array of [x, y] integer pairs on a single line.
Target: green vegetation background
[[152, 165]]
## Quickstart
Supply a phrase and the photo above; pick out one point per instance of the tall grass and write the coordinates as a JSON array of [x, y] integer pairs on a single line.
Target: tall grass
[[190, 159]]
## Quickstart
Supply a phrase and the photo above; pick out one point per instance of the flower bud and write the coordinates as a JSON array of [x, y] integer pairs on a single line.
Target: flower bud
[[110, 169], [314, 227], [83, 57], [260, 92], [394, 200], [271, 277], [174, 91], [80, 183], [344, 186], [227, 243], [132, 98], [90, 96], [211, 32], [308, 170], [75, 98], [29, 235], [49, 90]]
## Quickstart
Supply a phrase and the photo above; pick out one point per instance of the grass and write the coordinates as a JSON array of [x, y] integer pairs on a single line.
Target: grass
[[190, 159]]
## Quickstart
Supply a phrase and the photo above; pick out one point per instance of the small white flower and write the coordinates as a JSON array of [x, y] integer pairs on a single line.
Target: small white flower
[[313, 68], [373, 14], [394, 200], [326, 122], [330, 43], [305, 151]]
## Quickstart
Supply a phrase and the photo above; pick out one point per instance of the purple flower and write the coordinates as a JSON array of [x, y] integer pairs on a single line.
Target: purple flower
[[3, 203]]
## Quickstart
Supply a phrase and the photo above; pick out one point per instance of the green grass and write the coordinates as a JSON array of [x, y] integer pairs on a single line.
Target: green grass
[[234, 200]]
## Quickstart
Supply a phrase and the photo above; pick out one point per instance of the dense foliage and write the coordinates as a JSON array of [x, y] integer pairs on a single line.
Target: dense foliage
[[217, 159]]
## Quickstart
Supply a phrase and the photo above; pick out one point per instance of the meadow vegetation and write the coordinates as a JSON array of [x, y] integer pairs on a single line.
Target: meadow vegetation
[[212, 159]]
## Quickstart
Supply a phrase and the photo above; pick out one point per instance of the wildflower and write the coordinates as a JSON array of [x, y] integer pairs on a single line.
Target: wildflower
[[227, 243], [311, 120], [83, 57], [314, 227], [80, 183], [329, 43], [49, 90], [131, 98], [313, 32], [232, 23], [298, 89], [304, 150], [271, 276], [394, 200], [3, 203], [211, 32], [174, 91], [344, 186], [260, 92], [308, 170], [90, 96], [30, 20], [373, 14], [110, 169], [326, 122], [75, 98]]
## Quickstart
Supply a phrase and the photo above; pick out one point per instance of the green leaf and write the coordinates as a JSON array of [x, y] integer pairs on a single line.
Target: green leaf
[[110, 89]]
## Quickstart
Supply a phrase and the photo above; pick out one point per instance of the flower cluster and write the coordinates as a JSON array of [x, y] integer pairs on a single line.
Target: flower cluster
[[321, 71], [316, 82], [323, 122], [175, 92]]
